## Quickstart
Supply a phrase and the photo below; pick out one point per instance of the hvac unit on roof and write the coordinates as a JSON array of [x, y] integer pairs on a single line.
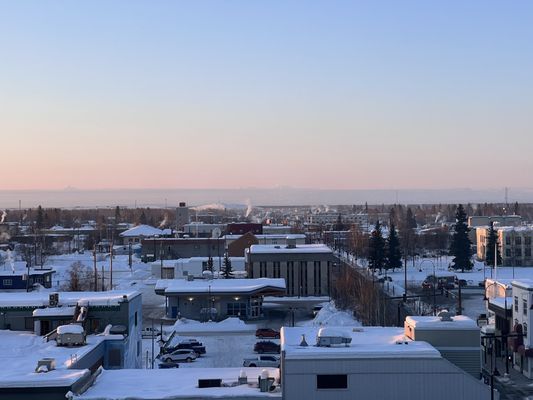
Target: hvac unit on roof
[[53, 299]]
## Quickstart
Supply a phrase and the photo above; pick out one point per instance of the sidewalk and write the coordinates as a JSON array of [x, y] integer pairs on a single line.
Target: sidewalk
[[513, 386]]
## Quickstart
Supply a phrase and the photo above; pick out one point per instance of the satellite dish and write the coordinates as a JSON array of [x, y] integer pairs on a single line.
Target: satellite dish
[[215, 233]]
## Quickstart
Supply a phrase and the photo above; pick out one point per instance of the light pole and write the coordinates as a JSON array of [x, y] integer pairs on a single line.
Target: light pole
[[434, 283], [506, 326]]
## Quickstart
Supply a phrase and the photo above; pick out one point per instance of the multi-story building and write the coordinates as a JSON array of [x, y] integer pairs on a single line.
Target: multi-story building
[[182, 216], [521, 346], [307, 269], [515, 243]]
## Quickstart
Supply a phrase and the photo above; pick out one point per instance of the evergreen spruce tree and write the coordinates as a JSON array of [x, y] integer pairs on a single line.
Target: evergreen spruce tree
[[39, 220], [227, 270], [394, 254], [460, 247], [492, 242], [376, 249]]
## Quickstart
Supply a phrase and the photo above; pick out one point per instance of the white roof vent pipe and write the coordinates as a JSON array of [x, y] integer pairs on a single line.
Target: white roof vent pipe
[[445, 316]]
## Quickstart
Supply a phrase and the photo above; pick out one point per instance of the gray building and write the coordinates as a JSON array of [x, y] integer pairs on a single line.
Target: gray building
[[307, 269], [182, 216], [377, 363], [456, 338], [216, 299], [174, 248]]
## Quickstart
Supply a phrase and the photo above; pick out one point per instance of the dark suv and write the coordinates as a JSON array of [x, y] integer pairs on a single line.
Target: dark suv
[[267, 333], [267, 347]]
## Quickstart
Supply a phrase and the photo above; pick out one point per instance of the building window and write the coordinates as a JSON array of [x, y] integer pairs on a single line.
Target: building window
[[518, 240], [277, 269], [135, 318], [332, 381], [518, 252], [527, 240], [508, 241], [236, 309], [524, 305], [527, 252], [139, 347], [524, 326], [262, 269], [516, 304], [7, 282], [507, 252]]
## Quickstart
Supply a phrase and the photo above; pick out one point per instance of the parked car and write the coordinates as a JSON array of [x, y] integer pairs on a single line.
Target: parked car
[[267, 347], [262, 361], [180, 355], [267, 333], [148, 332], [191, 344], [165, 365]]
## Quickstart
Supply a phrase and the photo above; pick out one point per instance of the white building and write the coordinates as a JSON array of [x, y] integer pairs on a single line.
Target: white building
[[514, 244], [195, 266]]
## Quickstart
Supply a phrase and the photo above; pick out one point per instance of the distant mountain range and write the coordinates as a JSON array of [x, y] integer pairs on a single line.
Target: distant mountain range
[[245, 197]]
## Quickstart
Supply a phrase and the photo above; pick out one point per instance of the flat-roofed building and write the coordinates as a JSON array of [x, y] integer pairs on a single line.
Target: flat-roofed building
[[307, 269]]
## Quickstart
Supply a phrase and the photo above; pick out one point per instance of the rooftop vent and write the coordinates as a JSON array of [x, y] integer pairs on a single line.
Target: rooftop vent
[[46, 365], [291, 242], [209, 383], [328, 337], [445, 316], [303, 342]]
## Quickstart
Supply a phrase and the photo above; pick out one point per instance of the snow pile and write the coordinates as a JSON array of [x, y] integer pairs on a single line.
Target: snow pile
[[330, 315], [231, 324]]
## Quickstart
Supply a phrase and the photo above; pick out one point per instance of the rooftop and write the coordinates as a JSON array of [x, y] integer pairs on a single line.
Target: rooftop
[[41, 299], [300, 248], [21, 351], [182, 286], [172, 384], [435, 323], [523, 284], [145, 230], [367, 342]]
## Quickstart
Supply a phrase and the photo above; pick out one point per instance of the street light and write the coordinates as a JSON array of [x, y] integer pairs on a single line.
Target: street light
[[434, 284], [486, 298]]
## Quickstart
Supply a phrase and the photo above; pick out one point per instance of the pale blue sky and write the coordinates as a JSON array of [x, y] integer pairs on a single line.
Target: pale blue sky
[[329, 94]]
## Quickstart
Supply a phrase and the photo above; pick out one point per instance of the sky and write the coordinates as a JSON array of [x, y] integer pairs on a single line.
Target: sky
[[232, 94]]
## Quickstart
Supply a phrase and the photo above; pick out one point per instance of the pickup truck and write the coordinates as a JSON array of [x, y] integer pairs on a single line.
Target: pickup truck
[[262, 361]]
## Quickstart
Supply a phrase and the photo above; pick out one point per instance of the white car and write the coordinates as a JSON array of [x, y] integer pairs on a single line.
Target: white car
[[148, 332], [180, 355], [262, 361]]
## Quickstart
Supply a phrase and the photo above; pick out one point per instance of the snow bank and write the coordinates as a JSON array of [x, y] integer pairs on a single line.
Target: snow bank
[[330, 315], [231, 324]]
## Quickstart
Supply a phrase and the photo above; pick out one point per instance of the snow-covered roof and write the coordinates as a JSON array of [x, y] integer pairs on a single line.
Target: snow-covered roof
[[204, 286], [21, 351], [367, 342], [300, 248], [54, 312], [459, 322], [144, 230], [70, 328], [501, 302], [266, 236], [523, 284], [523, 228], [171, 384], [41, 299]]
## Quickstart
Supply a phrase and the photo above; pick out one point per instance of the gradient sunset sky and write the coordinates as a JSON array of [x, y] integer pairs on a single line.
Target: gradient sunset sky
[[225, 94]]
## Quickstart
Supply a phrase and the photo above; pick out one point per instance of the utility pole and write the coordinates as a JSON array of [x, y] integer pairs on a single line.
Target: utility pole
[[129, 255], [460, 300], [111, 268], [95, 270]]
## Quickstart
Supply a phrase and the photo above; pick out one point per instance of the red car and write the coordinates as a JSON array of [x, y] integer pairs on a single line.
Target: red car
[[267, 333]]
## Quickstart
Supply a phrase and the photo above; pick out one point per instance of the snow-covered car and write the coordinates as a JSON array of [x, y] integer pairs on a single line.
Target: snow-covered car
[[267, 347], [148, 332], [181, 355], [262, 361]]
